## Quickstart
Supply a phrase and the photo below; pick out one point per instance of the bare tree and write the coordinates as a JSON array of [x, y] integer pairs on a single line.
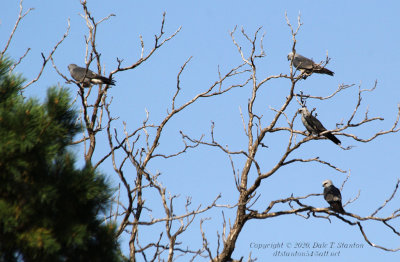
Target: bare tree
[[256, 131], [135, 210]]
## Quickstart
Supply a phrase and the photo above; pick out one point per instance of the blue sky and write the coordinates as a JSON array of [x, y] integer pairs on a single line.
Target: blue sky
[[362, 39]]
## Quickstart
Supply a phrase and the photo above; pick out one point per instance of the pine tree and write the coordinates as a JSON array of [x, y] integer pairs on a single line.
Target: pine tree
[[49, 209]]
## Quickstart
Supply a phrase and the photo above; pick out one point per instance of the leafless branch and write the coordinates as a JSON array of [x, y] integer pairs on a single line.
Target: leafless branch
[[46, 59], [19, 60], [21, 15], [315, 159], [144, 203], [387, 200], [157, 44]]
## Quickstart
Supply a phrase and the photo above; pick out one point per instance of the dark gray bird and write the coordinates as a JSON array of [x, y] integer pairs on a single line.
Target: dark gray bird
[[88, 77], [332, 196], [307, 65], [314, 126]]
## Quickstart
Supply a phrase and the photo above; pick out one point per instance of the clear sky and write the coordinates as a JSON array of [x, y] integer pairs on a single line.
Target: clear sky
[[362, 39]]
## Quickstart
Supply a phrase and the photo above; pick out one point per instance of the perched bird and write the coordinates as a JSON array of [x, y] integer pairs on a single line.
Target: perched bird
[[332, 196], [307, 65], [314, 126], [88, 77]]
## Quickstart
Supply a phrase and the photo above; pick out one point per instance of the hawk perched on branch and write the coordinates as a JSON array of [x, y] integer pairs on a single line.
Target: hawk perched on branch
[[332, 196], [307, 65], [314, 126], [88, 77]]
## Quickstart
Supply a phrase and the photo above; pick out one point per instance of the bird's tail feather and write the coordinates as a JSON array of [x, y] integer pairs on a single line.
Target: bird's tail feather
[[337, 206], [332, 138], [107, 81], [325, 71]]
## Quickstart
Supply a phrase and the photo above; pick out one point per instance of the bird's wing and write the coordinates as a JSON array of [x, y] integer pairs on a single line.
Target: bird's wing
[[332, 194], [79, 72], [307, 125], [89, 74], [336, 192], [328, 196], [315, 123], [302, 62]]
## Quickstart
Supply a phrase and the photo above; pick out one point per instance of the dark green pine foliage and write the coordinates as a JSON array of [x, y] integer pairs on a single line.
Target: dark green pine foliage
[[49, 209]]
